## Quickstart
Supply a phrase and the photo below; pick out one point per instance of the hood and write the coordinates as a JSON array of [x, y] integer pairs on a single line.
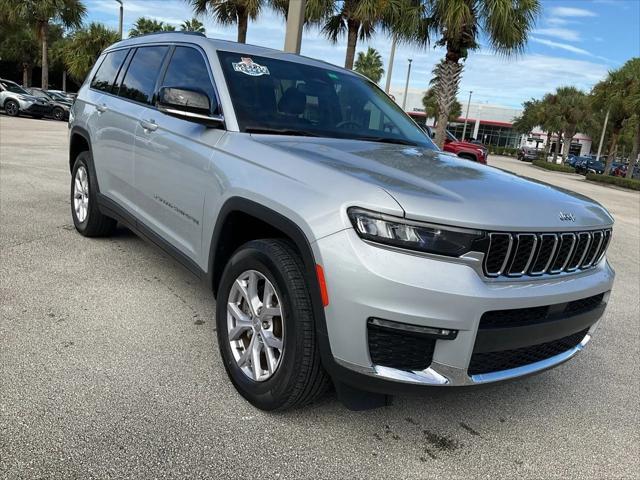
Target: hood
[[433, 187]]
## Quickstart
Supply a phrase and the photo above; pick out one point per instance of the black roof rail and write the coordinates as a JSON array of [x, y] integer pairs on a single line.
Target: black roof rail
[[198, 34]]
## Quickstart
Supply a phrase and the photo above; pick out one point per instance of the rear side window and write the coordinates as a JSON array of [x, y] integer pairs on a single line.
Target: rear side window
[[140, 80], [187, 69], [106, 74]]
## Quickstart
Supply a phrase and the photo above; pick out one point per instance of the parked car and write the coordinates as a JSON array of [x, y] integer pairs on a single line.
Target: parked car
[[59, 106], [468, 150], [528, 154], [340, 244], [589, 165], [15, 100], [621, 171], [62, 95]]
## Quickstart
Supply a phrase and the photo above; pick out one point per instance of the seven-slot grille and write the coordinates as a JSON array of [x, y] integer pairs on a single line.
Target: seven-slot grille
[[518, 254]]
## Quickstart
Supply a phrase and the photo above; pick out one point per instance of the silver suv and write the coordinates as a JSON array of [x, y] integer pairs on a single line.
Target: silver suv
[[341, 245]]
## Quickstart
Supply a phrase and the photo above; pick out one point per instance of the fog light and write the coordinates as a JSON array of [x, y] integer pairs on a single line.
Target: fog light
[[432, 332]]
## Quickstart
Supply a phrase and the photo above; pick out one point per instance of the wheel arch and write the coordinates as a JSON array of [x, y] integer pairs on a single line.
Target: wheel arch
[[266, 223], [79, 141]]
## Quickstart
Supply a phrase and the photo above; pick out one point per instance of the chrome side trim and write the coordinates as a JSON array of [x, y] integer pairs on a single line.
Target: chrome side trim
[[531, 368]]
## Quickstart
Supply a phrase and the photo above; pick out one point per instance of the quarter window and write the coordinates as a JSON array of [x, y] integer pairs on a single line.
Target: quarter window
[[187, 69], [106, 74], [140, 79]]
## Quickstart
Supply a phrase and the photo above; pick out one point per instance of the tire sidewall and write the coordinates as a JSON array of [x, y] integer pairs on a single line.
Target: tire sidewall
[[273, 392], [17, 109], [58, 113], [82, 160]]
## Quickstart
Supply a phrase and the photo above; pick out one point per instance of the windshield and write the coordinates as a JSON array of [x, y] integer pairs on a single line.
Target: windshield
[[56, 95], [13, 87], [40, 94], [290, 98]]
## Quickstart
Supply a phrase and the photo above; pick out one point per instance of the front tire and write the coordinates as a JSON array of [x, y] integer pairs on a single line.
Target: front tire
[[266, 329], [12, 108], [58, 114], [87, 218]]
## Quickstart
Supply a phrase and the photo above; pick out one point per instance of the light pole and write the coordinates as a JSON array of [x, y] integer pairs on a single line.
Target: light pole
[[121, 17], [394, 41], [466, 118], [406, 86], [604, 129], [295, 23]]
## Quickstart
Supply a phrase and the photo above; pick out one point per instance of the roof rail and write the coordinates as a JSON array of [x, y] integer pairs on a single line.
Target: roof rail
[[198, 34]]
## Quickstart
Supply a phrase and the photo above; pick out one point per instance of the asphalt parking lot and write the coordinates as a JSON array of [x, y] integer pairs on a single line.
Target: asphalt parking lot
[[109, 366]]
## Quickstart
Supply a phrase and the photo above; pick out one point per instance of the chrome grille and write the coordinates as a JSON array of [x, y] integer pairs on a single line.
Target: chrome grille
[[518, 254]]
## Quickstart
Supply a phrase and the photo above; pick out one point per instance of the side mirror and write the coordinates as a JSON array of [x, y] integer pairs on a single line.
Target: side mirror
[[188, 104]]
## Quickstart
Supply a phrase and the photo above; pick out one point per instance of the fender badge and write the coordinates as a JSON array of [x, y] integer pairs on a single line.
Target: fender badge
[[249, 67], [567, 217]]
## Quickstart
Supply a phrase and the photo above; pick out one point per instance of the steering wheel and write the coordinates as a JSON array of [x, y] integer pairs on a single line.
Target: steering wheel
[[352, 125]]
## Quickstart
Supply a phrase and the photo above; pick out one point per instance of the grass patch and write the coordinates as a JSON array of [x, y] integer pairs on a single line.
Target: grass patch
[[556, 167], [629, 183]]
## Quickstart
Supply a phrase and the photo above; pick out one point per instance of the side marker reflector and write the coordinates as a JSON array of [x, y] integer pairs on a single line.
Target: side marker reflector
[[323, 285]]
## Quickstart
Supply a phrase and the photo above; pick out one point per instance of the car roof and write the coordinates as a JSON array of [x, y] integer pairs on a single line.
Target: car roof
[[222, 45]]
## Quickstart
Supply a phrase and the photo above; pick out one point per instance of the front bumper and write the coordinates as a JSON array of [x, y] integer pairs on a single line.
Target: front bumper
[[367, 281]]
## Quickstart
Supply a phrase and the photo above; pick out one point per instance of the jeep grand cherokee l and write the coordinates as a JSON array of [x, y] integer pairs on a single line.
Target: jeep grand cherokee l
[[340, 245]]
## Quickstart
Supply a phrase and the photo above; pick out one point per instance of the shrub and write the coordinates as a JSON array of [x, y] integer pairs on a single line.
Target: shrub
[[556, 167], [619, 181]]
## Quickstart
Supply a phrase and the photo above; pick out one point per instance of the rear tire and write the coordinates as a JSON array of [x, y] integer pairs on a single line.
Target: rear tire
[[87, 218], [12, 108], [298, 377]]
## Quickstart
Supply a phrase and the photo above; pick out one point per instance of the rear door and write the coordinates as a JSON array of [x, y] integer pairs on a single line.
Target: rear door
[[172, 156]]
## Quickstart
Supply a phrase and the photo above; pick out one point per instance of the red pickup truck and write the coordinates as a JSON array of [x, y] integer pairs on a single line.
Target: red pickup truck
[[471, 151]]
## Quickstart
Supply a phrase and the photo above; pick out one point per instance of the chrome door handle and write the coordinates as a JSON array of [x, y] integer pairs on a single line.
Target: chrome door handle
[[101, 108], [149, 125]]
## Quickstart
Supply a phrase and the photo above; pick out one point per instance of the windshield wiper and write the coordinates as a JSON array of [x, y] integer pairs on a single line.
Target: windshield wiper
[[399, 141], [280, 131]]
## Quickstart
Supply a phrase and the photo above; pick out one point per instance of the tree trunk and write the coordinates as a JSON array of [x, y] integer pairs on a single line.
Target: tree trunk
[[613, 148], [568, 136], [448, 73], [547, 147], [64, 80], [25, 74], [243, 23], [353, 27], [634, 152], [44, 30], [555, 151]]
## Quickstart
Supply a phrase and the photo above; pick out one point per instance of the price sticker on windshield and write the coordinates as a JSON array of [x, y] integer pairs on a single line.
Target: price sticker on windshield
[[247, 66]]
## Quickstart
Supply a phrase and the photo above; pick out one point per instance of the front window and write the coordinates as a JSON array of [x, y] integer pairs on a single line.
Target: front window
[[13, 87], [283, 97]]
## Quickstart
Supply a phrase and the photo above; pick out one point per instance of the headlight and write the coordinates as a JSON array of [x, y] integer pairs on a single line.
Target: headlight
[[402, 233]]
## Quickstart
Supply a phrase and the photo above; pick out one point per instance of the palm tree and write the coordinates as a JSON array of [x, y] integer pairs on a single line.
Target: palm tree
[[19, 44], [145, 25], [230, 12], [431, 106], [193, 25], [619, 94], [573, 109], [459, 23], [84, 47], [358, 20], [40, 14], [370, 65]]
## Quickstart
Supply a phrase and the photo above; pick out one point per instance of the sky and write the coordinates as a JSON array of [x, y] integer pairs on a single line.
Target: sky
[[575, 42]]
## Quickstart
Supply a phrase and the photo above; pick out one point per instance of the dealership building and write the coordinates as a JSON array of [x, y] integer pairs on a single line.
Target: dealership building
[[491, 125]]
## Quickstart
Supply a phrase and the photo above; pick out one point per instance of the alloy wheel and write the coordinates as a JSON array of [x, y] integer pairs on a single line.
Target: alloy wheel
[[81, 193], [11, 108], [255, 325]]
